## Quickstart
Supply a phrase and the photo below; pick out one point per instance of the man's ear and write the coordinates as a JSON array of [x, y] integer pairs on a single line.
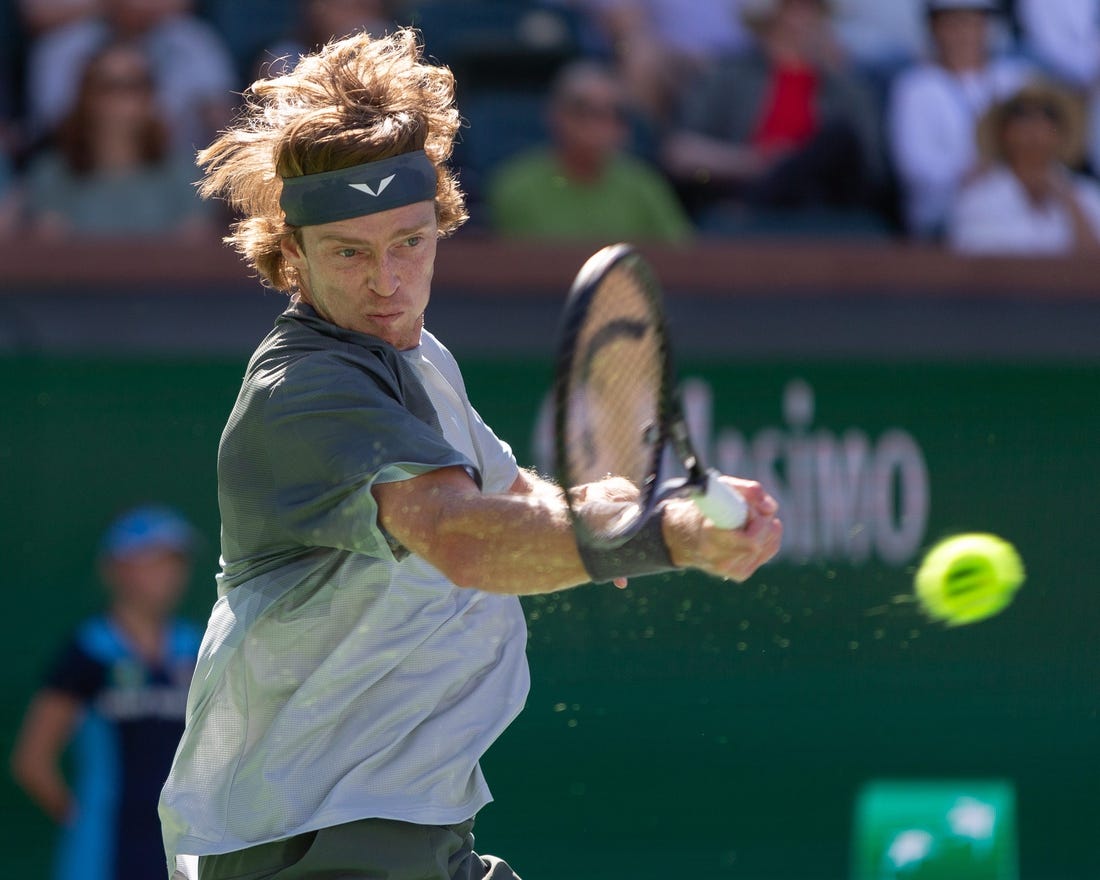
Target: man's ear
[[292, 249], [294, 254]]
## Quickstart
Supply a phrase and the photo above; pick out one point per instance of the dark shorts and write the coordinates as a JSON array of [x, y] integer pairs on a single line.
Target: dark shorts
[[370, 849]]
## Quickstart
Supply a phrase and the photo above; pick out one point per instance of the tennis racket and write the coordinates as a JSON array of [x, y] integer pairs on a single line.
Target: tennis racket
[[616, 409]]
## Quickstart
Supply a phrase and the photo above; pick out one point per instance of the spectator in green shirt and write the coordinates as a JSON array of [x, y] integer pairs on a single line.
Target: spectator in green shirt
[[584, 184]]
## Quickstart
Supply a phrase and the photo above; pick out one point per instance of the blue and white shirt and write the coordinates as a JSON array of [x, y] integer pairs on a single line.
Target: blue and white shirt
[[123, 747]]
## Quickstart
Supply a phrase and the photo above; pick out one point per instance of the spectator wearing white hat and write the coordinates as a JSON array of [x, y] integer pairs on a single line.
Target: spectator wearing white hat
[[934, 108], [1064, 37], [1028, 200]]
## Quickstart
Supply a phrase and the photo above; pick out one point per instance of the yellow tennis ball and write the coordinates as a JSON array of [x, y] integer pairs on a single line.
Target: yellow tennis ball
[[968, 577]]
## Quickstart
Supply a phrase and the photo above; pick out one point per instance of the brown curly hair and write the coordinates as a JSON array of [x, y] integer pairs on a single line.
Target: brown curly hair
[[355, 100]]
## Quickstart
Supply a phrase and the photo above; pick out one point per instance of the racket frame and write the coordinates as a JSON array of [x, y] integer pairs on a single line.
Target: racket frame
[[670, 427]]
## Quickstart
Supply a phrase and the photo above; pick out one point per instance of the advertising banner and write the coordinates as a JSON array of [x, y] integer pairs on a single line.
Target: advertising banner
[[685, 726]]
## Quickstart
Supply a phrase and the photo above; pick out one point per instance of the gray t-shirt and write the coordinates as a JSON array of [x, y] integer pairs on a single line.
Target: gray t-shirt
[[340, 677]]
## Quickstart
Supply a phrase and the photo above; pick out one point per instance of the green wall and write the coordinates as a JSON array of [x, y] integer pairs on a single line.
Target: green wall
[[683, 726]]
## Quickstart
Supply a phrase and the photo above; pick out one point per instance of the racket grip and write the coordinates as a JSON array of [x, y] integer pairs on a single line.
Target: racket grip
[[721, 504]]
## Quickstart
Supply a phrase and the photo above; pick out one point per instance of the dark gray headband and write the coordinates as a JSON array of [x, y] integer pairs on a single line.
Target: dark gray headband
[[312, 199]]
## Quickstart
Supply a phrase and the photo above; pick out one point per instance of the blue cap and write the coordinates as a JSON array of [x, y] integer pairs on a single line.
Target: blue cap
[[145, 528]]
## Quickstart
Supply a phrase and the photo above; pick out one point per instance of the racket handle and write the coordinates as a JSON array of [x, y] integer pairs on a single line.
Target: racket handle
[[721, 504]]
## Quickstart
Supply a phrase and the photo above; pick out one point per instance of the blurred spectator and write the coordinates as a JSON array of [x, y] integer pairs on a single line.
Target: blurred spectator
[[660, 46], [1028, 201], [112, 170], [321, 21], [39, 16], [194, 72], [935, 106], [781, 127], [583, 184], [116, 692], [1064, 37]]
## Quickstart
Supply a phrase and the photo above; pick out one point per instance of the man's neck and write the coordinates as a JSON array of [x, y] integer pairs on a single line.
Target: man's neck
[[965, 66], [1035, 179], [144, 631], [582, 168]]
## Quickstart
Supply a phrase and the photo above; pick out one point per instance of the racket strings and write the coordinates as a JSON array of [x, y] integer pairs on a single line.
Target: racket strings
[[616, 385]]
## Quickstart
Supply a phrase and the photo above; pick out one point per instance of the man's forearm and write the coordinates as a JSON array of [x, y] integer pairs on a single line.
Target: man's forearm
[[517, 542], [520, 544]]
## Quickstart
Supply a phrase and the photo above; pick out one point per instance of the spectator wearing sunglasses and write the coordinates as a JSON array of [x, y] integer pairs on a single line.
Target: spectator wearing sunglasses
[[584, 184], [192, 67], [1028, 200], [111, 170]]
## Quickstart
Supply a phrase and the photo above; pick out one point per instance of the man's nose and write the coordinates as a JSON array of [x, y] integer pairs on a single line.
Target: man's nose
[[385, 281]]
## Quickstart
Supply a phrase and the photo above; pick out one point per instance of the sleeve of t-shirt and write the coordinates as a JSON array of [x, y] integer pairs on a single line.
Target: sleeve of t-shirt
[[914, 119], [665, 217], [498, 464], [332, 432], [74, 672], [496, 461]]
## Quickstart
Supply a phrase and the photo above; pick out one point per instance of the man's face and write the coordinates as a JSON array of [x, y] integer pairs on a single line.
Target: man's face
[[120, 88], [961, 37], [802, 20], [590, 119], [371, 274], [1032, 134], [150, 580], [138, 16]]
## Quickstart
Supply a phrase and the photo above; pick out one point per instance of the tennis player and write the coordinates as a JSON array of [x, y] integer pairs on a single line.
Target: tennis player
[[368, 644]]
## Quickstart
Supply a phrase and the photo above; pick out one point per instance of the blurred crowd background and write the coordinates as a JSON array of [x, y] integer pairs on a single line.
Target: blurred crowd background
[[975, 123]]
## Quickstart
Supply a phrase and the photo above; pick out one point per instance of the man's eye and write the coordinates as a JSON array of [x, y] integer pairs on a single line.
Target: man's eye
[[414, 240], [346, 252]]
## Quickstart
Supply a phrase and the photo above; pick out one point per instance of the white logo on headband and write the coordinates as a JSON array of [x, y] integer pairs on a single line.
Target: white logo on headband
[[365, 187]]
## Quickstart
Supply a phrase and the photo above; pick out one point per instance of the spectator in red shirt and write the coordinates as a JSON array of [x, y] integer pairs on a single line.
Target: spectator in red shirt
[[782, 126]]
